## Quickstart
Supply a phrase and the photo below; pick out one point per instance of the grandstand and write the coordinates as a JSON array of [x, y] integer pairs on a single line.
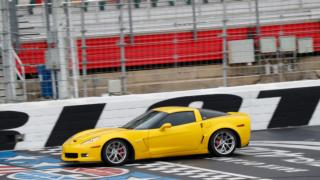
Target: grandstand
[[159, 26], [148, 20]]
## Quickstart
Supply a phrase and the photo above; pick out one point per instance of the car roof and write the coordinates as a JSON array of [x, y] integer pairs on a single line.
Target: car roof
[[173, 109]]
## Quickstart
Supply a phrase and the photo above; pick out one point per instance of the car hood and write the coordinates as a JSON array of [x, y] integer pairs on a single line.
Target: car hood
[[94, 133]]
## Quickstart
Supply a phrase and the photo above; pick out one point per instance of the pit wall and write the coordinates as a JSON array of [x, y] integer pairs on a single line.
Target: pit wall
[[50, 123]]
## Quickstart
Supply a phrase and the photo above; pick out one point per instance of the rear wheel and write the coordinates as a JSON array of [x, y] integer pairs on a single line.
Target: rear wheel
[[222, 143], [115, 152]]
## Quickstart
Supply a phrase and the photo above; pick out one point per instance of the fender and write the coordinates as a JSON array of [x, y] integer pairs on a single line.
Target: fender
[[212, 130], [136, 140]]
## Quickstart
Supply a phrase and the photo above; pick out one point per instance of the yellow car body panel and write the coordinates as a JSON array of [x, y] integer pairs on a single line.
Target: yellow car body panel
[[186, 139]]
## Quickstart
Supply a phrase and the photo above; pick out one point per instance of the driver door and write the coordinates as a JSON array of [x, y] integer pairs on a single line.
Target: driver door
[[184, 135]]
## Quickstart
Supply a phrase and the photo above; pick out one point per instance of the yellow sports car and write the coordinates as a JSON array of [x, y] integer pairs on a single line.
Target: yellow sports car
[[161, 132]]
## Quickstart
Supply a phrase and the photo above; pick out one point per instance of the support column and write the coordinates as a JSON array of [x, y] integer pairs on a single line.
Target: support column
[[73, 50], [59, 27], [122, 46], [225, 47], [9, 65], [84, 49], [194, 20]]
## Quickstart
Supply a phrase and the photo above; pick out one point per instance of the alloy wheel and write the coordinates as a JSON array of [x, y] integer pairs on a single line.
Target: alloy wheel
[[224, 142], [116, 152]]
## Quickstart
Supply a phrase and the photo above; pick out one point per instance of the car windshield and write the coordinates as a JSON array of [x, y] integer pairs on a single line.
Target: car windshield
[[146, 120]]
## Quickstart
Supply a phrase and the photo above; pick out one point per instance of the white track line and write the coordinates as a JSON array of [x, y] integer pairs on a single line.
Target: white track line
[[288, 144], [310, 143]]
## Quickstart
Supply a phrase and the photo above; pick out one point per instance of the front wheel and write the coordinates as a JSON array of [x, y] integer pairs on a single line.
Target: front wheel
[[222, 143], [115, 152]]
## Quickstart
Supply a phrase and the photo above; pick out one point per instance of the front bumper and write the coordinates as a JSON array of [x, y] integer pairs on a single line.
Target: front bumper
[[81, 153]]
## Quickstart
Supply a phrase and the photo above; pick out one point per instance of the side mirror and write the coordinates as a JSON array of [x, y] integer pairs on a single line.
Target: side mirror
[[165, 126]]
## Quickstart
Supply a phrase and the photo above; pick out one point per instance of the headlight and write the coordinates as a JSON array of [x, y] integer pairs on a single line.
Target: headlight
[[91, 140]]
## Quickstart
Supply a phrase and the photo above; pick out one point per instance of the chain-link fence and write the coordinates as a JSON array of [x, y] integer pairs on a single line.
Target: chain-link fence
[[68, 48]]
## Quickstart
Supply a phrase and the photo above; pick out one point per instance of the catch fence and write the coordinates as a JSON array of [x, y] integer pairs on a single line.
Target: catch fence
[[69, 49]]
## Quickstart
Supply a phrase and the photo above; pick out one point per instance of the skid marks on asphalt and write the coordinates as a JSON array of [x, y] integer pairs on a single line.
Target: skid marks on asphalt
[[191, 171]]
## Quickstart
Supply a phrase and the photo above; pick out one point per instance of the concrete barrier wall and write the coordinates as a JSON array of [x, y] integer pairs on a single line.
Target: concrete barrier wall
[[50, 123]]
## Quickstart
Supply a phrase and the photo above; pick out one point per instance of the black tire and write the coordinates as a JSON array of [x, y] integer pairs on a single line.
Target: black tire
[[115, 152], [222, 143]]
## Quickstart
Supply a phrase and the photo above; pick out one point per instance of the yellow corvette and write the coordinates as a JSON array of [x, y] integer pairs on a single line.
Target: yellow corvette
[[161, 132]]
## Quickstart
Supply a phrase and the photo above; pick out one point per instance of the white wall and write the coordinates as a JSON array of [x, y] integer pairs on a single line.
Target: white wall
[[120, 109]]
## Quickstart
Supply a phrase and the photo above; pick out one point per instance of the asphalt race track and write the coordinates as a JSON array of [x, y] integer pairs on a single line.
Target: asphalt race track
[[292, 153]]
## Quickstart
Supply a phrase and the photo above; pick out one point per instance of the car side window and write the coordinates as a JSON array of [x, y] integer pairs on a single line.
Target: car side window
[[178, 118], [207, 114]]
